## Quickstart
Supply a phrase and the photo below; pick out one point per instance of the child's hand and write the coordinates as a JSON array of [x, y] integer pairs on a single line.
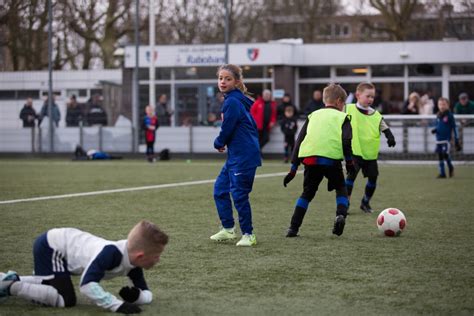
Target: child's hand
[[433, 131], [129, 294], [457, 145], [391, 142], [129, 308], [290, 176], [221, 150], [350, 168]]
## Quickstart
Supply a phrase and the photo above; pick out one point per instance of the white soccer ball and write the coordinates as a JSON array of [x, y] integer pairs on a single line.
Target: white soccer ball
[[391, 222]]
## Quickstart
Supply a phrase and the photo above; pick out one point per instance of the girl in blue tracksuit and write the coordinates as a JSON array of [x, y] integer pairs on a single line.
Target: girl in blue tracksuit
[[239, 134]]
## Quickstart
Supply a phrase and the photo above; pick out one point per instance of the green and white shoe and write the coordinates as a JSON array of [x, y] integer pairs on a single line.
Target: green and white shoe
[[6, 280], [224, 234], [247, 240]]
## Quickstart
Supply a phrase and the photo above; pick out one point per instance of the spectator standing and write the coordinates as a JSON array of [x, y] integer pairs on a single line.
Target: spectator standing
[[55, 111], [216, 104], [464, 106], [413, 104], [289, 126], [285, 102], [427, 104], [28, 114], [96, 115], [73, 113], [163, 112], [315, 103], [264, 112]]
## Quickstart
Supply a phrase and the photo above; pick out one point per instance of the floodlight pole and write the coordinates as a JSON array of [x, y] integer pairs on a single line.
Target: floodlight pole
[[226, 31], [50, 76], [135, 92], [152, 99]]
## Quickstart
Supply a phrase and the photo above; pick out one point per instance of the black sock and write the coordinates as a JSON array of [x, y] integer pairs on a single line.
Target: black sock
[[297, 218]]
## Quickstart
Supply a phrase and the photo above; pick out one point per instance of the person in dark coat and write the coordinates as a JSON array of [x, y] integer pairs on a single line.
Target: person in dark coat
[[28, 114], [315, 103], [285, 102], [74, 112], [163, 112], [96, 115]]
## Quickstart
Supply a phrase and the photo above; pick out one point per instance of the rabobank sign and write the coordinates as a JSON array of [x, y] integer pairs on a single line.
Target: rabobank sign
[[200, 56], [204, 60], [208, 55]]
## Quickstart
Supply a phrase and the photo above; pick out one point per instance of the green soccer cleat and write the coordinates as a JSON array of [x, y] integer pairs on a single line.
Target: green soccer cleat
[[247, 240], [6, 280], [224, 234]]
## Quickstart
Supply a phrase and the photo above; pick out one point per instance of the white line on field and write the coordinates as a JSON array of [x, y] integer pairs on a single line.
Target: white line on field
[[148, 187]]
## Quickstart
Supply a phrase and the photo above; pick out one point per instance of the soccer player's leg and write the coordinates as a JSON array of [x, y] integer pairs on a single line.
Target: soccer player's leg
[[447, 157], [241, 183], [313, 176], [441, 149], [335, 177], [224, 206], [51, 285], [370, 171], [351, 177]]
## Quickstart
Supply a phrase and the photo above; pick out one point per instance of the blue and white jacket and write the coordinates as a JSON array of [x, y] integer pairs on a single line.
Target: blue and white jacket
[[445, 127], [96, 259]]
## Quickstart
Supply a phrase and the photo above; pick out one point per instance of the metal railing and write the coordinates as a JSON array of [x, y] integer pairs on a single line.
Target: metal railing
[[413, 135]]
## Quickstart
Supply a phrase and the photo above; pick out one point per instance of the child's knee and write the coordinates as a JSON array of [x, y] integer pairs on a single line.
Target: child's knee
[[65, 288]]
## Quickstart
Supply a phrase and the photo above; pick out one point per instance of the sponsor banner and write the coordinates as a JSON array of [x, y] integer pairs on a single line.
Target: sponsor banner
[[205, 55]]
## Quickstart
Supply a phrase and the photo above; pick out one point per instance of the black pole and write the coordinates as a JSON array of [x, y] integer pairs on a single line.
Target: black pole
[[50, 72]]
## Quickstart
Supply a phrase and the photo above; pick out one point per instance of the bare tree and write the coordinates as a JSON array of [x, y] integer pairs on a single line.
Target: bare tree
[[26, 37], [397, 16], [100, 26]]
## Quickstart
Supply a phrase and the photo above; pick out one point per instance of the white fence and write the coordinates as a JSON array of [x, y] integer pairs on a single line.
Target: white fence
[[413, 135]]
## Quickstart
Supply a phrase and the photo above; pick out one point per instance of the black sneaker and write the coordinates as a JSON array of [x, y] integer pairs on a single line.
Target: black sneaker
[[451, 173], [441, 176], [339, 223], [292, 233], [365, 206]]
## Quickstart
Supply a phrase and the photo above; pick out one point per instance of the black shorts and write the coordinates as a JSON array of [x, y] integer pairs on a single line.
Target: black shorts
[[369, 167], [313, 175]]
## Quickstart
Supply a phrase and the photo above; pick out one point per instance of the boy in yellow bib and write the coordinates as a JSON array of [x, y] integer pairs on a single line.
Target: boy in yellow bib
[[367, 124], [323, 142]]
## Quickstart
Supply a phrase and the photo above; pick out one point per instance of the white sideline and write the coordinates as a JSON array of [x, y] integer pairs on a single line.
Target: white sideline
[[149, 187]]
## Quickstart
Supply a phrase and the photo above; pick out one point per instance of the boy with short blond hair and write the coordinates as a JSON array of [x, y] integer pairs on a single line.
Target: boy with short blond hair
[[367, 124], [62, 252], [324, 140]]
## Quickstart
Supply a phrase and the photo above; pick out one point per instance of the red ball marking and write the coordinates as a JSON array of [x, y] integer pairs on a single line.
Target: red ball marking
[[380, 220], [389, 233], [402, 224], [393, 211]]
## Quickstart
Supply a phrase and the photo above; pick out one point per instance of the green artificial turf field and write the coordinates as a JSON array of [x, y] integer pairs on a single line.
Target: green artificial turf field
[[428, 270]]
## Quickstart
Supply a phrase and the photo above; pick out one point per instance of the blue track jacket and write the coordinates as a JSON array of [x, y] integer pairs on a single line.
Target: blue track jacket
[[239, 132]]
